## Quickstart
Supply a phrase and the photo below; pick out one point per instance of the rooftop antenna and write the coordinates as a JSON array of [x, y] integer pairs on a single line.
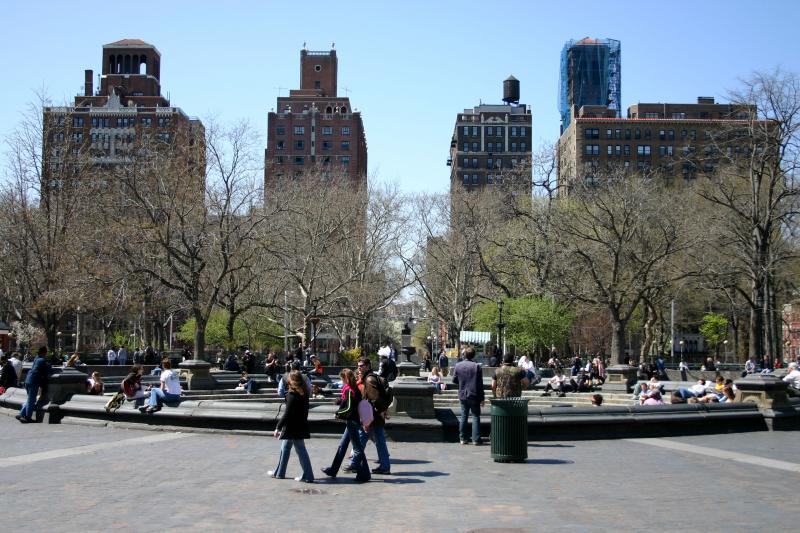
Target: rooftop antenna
[[279, 89], [347, 92], [304, 45], [333, 46]]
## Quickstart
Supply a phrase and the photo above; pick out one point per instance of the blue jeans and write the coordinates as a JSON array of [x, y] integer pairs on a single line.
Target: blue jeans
[[158, 396], [302, 454], [475, 407], [378, 435], [359, 460], [29, 407]]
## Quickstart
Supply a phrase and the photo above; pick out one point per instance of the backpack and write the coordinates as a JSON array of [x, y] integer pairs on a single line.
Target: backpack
[[385, 395]]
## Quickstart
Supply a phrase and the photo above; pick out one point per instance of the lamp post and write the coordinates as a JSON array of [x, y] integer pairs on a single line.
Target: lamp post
[[725, 348], [314, 325], [500, 326], [58, 336], [681, 343]]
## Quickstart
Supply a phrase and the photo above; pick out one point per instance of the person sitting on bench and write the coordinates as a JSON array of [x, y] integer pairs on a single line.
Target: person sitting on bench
[[169, 392]]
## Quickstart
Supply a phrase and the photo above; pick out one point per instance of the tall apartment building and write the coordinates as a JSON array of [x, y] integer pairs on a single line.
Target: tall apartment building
[[591, 74], [104, 125], [490, 140], [315, 126], [676, 141]]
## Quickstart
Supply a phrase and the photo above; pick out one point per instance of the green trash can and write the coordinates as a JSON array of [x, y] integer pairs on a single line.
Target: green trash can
[[509, 434]]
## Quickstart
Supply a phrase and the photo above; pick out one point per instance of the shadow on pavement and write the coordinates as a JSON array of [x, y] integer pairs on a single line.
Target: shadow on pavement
[[551, 445], [409, 462], [401, 481], [429, 473], [548, 462]]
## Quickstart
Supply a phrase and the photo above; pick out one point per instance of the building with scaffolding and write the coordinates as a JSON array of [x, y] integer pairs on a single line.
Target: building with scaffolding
[[591, 74]]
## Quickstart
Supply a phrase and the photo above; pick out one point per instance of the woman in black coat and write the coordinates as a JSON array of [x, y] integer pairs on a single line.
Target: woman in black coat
[[292, 429]]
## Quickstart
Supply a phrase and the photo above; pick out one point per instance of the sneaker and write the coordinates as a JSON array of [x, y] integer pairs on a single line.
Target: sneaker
[[271, 473], [328, 471], [350, 469], [382, 471], [462, 441], [303, 480], [143, 409], [478, 443]]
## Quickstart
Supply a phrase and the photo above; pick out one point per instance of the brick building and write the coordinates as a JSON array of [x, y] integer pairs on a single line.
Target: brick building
[[127, 109], [489, 140], [315, 126], [673, 141]]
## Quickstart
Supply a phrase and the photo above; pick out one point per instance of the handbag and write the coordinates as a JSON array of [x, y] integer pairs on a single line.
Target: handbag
[[365, 413]]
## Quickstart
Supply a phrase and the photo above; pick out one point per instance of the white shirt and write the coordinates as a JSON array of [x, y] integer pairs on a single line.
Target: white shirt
[[111, 355], [525, 363], [698, 389], [17, 364], [793, 376], [172, 381], [384, 350]]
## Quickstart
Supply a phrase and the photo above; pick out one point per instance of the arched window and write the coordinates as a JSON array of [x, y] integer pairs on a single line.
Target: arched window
[[328, 110], [118, 66], [111, 61], [127, 64], [343, 109], [142, 64]]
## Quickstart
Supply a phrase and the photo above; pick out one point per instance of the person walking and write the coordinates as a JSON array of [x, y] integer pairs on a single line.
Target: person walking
[[34, 380], [122, 356], [348, 411], [111, 356], [468, 376], [443, 363], [292, 429], [372, 390]]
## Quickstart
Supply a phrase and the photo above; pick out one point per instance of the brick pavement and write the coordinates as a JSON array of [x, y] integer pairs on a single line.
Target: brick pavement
[[216, 482]]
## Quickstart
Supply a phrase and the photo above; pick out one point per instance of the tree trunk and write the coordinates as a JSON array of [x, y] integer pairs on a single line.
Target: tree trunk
[[199, 336], [617, 341], [757, 322], [229, 327]]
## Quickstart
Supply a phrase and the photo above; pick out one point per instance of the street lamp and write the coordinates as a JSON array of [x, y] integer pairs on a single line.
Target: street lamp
[[500, 326], [725, 348], [681, 343], [58, 336]]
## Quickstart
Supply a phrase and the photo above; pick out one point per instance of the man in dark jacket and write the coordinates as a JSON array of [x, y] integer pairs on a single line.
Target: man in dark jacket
[[8, 376], [468, 375], [35, 379]]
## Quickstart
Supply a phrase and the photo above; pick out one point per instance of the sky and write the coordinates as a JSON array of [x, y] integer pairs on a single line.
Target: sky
[[410, 66]]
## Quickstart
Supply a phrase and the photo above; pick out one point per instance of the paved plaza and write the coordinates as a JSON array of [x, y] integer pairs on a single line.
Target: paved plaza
[[82, 478]]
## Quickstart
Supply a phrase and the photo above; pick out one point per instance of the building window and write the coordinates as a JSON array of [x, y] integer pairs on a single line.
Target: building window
[[618, 150], [345, 130], [693, 134], [662, 134], [299, 130], [163, 122], [299, 160], [490, 130], [643, 166], [522, 147], [643, 149], [498, 147], [592, 149], [345, 160], [327, 130], [591, 133], [489, 179], [77, 137], [465, 179], [609, 150], [466, 130], [637, 133], [679, 115], [475, 130], [499, 131], [522, 131], [326, 145], [489, 163], [474, 162], [498, 163], [346, 145], [647, 133], [671, 135], [627, 150], [474, 179], [608, 134], [466, 147], [124, 122], [513, 147], [466, 163], [627, 134], [299, 145], [146, 121], [279, 145], [651, 115], [513, 131], [77, 122], [474, 147]]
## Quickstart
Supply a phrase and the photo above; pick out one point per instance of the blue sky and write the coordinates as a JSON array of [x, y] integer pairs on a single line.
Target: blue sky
[[410, 66]]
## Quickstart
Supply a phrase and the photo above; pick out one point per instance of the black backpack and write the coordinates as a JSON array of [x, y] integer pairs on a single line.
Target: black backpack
[[385, 395]]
